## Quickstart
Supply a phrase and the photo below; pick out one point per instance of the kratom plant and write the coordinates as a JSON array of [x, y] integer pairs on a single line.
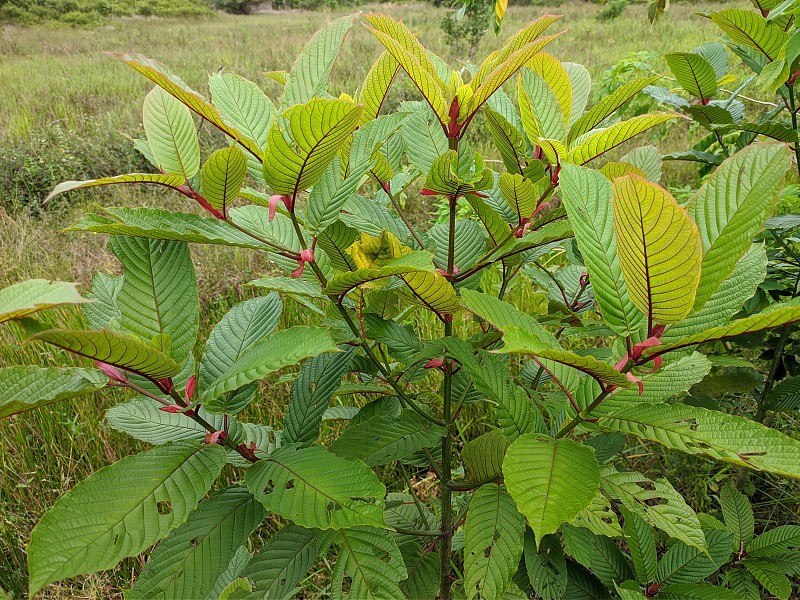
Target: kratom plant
[[528, 500]]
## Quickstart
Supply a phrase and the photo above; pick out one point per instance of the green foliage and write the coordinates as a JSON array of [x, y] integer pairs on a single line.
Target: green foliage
[[422, 349]]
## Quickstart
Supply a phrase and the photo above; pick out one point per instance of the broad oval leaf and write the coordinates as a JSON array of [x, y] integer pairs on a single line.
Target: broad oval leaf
[[122, 509], [370, 559], [492, 542], [551, 481], [315, 488], [171, 134], [222, 176], [29, 387], [752, 30], [694, 74], [483, 456], [659, 249]]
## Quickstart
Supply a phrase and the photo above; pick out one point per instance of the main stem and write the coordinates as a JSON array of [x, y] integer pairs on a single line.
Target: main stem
[[445, 542]]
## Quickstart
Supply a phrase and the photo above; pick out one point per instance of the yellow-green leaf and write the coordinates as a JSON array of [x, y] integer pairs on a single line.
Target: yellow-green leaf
[[171, 134], [376, 85], [222, 176], [170, 181], [752, 30], [28, 297], [659, 249], [604, 140]]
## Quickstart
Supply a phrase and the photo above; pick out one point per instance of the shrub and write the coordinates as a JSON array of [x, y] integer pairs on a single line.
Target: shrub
[[420, 325]]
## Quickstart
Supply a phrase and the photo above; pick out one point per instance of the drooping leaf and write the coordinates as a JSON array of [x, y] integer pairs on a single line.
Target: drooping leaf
[[159, 291], [28, 297], [587, 197], [551, 481], [318, 128], [483, 456], [123, 351], [371, 560], [641, 540], [123, 509], [308, 77], [770, 576], [659, 249], [171, 134], [599, 518], [657, 502], [383, 438], [170, 181], [694, 74], [245, 324], [315, 488], [284, 348], [29, 387], [738, 515], [697, 591], [222, 176], [283, 561], [188, 562], [731, 206], [492, 542], [719, 435]]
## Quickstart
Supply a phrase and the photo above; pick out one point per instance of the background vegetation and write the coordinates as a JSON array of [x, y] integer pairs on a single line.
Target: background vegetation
[[55, 126]]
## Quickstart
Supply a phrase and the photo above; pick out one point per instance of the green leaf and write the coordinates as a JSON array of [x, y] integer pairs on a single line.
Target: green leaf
[[159, 292], [551, 481], [541, 112], [371, 560], [752, 30], [775, 542], [315, 488], [413, 59], [738, 515], [283, 561], [599, 518], [769, 576], [602, 141], [27, 297], [158, 224], [330, 193], [731, 206], [444, 177], [599, 554], [284, 348], [245, 324], [483, 456], [719, 435], [103, 310], [641, 540], [318, 128], [647, 159], [519, 193], [170, 181], [785, 395], [122, 509], [729, 298], [172, 84], [694, 74], [607, 107], [684, 564], [697, 591], [659, 249], [546, 567], [657, 502], [308, 77], [189, 561], [504, 315], [492, 543], [508, 139], [774, 316], [222, 176], [142, 419], [123, 351], [424, 140], [171, 134], [385, 438], [243, 105], [25, 388], [423, 572], [311, 394], [586, 195], [376, 85]]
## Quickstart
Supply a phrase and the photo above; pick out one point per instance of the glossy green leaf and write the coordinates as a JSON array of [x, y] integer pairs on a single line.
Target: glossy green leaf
[[597, 144], [694, 74], [752, 30], [123, 509], [222, 176], [659, 249], [315, 488], [171, 134], [551, 481]]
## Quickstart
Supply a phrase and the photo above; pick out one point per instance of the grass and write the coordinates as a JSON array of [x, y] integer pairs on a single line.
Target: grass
[[60, 124]]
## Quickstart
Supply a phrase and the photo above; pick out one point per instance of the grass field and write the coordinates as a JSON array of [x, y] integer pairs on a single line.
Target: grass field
[[61, 104]]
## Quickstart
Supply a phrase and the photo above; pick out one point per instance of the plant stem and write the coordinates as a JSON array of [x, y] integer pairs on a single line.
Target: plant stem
[[445, 546], [413, 493]]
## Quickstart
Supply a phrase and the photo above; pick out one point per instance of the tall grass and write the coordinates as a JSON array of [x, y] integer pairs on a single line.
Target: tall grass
[[58, 82]]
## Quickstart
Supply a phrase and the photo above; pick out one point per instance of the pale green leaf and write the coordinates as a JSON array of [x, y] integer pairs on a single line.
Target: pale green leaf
[[170, 181], [376, 85], [597, 144], [222, 176], [29, 387], [27, 297], [171, 134]]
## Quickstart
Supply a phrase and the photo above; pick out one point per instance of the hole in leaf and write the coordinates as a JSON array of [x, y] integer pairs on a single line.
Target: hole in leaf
[[347, 583], [194, 541], [269, 488], [487, 552], [290, 484], [164, 507], [646, 485]]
